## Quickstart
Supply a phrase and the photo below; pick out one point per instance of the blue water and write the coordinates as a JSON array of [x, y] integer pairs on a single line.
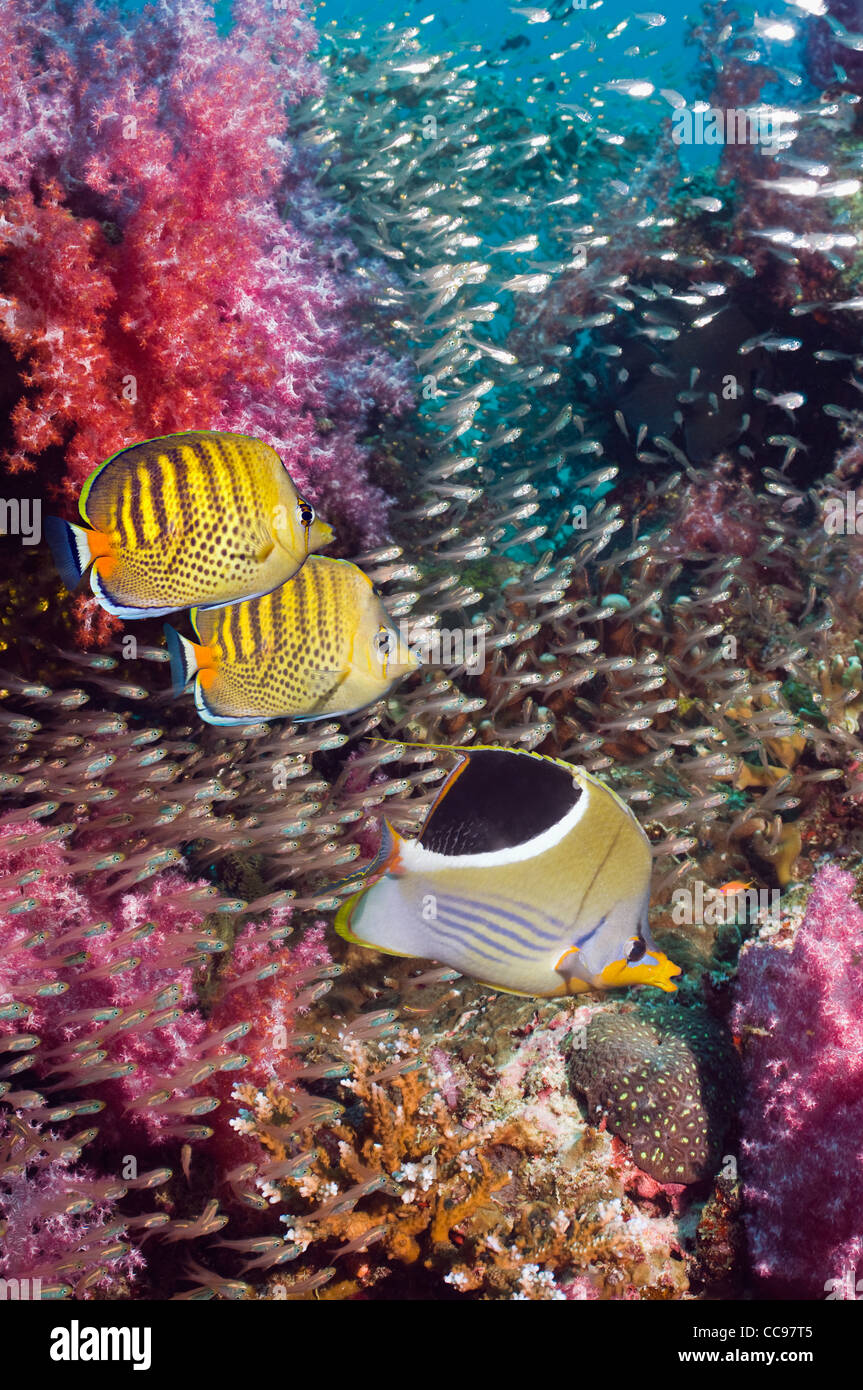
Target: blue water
[[532, 52]]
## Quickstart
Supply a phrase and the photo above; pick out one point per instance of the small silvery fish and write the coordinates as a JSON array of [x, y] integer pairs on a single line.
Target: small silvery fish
[[318, 646], [529, 874], [201, 518]]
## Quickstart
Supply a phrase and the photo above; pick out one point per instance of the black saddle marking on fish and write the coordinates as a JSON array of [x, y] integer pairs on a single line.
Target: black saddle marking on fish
[[496, 801]]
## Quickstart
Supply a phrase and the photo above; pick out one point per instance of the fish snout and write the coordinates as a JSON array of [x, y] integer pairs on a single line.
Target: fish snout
[[406, 660], [320, 535], [391, 655], [654, 968]]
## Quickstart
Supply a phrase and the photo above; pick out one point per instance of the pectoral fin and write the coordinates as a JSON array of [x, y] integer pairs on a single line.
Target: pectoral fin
[[344, 928], [567, 968]]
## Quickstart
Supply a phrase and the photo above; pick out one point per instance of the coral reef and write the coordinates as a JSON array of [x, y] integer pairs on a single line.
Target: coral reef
[[474, 1174], [621, 475]]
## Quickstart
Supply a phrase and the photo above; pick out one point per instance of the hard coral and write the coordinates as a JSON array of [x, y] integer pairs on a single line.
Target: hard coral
[[798, 1015], [664, 1080], [401, 1174], [479, 1179]]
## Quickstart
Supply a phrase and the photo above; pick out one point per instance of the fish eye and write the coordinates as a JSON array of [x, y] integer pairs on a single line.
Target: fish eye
[[383, 641], [636, 951], [384, 647], [306, 511]]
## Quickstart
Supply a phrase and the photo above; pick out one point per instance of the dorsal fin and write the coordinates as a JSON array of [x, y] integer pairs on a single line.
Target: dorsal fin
[[387, 860]]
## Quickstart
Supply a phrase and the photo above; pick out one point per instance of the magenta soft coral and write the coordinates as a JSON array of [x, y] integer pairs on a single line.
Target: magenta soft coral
[[152, 280], [106, 993], [798, 1013], [58, 1222], [101, 1016], [107, 996], [271, 998]]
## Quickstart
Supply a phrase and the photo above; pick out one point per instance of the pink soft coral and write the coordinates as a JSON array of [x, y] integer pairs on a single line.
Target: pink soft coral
[[798, 1013], [122, 986], [58, 1222], [153, 280], [101, 1014]]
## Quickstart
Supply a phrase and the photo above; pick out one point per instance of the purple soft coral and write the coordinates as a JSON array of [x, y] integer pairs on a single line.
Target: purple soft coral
[[798, 1013]]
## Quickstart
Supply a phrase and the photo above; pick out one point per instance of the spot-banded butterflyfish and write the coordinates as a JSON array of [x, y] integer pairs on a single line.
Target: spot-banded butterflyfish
[[529, 874], [320, 645], [196, 519]]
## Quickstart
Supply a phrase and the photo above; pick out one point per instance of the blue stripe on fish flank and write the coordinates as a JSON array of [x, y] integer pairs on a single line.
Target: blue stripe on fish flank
[[459, 931], [577, 942], [591, 931], [515, 917], [446, 938], [469, 922]]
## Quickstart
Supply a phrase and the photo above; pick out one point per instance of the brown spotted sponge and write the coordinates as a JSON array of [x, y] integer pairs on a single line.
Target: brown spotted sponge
[[666, 1080]]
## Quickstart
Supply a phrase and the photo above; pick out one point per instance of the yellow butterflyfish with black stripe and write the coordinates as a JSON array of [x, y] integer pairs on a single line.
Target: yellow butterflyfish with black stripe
[[529, 874], [187, 520], [319, 646]]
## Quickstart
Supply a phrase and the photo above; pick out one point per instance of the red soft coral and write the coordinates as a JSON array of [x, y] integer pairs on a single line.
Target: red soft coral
[[152, 281]]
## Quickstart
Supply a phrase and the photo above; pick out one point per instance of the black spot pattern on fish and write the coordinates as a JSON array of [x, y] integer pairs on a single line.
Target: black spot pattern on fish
[[666, 1078]]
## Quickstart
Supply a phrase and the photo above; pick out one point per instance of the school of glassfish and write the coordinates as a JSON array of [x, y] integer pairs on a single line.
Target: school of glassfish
[[529, 874]]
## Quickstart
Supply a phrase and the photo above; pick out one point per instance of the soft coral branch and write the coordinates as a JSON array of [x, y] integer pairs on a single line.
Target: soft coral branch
[[151, 280]]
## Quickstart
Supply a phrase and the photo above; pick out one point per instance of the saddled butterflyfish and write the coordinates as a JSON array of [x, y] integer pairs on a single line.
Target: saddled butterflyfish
[[320, 645], [186, 520], [529, 874]]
